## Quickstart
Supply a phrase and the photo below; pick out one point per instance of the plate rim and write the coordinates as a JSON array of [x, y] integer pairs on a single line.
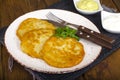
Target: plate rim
[[60, 72]]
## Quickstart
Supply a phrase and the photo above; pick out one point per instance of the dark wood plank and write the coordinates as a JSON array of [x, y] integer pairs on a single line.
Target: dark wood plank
[[117, 3], [10, 10], [50, 2], [1, 68], [110, 4]]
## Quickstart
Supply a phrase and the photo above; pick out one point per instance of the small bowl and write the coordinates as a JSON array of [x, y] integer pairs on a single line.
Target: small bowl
[[110, 21], [86, 12]]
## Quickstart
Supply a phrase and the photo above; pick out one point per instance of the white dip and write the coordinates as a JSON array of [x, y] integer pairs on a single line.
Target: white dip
[[112, 23]]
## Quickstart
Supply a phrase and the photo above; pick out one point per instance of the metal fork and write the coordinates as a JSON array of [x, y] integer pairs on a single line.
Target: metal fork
[[84, 32], [53, 17]]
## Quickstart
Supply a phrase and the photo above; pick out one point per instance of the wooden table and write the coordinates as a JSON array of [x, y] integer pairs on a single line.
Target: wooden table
[[108, 69]]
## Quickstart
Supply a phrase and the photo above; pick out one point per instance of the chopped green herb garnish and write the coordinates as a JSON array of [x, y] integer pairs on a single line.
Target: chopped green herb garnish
[[66, 32]]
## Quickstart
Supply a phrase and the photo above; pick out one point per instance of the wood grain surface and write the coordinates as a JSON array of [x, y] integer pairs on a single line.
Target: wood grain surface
[[108, 69]]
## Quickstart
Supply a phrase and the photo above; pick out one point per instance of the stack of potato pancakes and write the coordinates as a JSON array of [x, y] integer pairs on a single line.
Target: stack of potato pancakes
[[38, 41]]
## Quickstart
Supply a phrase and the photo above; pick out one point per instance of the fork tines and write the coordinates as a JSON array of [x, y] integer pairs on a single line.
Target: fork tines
[[53, 17]]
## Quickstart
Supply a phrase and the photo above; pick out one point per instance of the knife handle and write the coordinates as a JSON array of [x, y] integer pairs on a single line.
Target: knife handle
[[93, 33], [94, 39], [96, 34]]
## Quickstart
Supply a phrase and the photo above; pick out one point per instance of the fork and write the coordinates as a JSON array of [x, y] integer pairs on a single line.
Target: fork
[[84, 32]]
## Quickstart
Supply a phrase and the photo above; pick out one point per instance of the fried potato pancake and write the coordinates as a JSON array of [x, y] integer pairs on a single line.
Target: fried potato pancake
[[62, 52], [33, 41], [31, 24]]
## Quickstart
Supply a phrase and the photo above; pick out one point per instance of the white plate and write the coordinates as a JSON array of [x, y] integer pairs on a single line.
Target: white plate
[[13, 44]]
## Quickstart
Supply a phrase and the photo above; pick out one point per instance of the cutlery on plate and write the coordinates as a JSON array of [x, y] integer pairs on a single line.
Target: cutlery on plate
[[84, 32]]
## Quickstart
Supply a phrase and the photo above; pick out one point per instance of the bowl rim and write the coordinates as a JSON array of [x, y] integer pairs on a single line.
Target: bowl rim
[[86, 11]]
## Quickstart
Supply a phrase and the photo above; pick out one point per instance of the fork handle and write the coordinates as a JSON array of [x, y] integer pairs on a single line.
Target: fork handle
[[94, 39]]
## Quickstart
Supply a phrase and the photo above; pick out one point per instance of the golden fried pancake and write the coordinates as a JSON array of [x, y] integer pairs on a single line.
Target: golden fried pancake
[[33, 41], [62, 52], [31, 24]]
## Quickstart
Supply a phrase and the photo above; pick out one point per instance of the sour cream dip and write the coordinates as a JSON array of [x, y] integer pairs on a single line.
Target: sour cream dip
[[112, 23]]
